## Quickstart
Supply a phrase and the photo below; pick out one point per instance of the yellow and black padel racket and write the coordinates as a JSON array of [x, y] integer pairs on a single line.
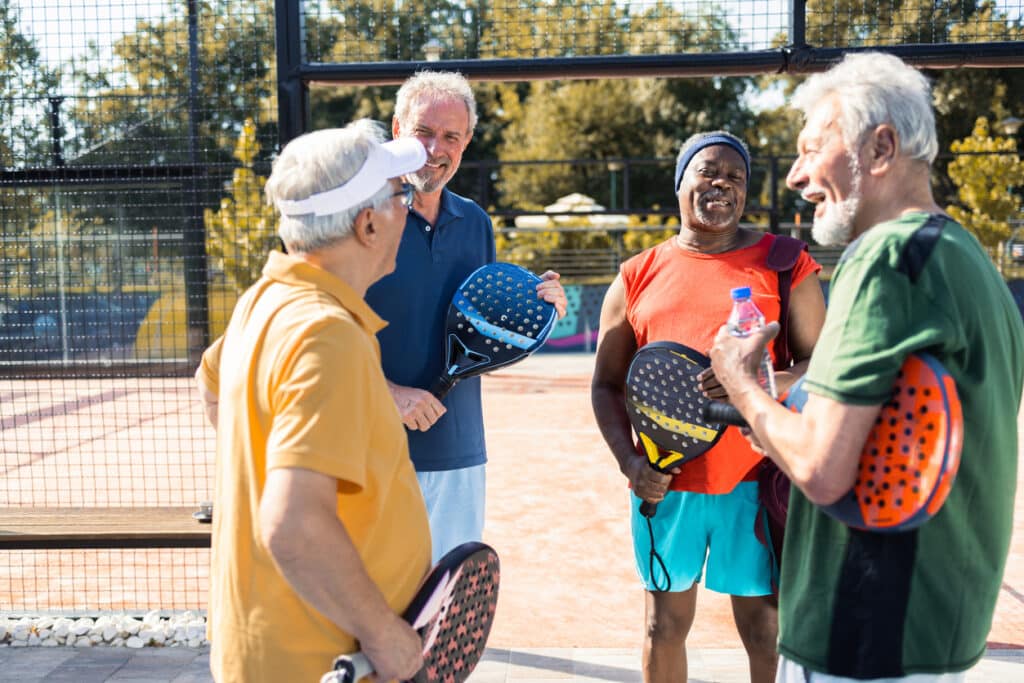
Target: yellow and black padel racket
[[911, 455], [664, 403]]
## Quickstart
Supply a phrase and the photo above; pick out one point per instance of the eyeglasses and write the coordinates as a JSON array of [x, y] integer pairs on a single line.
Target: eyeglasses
[[407, 192]]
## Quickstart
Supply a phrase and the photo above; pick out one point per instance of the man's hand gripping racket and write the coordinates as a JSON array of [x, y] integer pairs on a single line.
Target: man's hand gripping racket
[[495, 319], [910, 457], [452, 611], [664, 402]]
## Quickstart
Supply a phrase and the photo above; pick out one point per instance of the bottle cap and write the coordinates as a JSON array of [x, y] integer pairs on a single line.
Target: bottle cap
[[740, 293]]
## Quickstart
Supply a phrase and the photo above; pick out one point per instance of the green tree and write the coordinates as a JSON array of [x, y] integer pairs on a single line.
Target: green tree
[[144, 96], [25, 86], [619, 118], [986, 171], [960, 95], [242, 232]]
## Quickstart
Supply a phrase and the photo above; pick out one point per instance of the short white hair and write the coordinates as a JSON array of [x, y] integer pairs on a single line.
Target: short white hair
[[433, 86], [317, 162], [875, 88]]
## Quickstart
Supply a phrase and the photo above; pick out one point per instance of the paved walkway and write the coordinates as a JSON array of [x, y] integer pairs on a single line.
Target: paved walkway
[[181, 665]]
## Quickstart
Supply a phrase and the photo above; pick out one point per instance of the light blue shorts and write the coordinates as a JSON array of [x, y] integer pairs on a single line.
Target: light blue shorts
[[691, 528], [455, 507]]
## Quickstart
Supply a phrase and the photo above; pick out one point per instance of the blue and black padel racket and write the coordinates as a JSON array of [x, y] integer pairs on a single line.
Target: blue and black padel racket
[[495, 319]]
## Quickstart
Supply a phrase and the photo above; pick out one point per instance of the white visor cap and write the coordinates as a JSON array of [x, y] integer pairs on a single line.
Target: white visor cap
[[385, 161]]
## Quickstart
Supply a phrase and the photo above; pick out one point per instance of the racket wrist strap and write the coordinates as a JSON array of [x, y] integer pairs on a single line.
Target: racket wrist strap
[[441, 386]]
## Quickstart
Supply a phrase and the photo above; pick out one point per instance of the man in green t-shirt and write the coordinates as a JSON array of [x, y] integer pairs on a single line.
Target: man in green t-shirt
[[860, 604]]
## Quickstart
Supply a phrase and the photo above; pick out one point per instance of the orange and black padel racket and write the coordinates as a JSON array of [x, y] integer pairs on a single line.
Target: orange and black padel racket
[[911, 455], [452, 611]]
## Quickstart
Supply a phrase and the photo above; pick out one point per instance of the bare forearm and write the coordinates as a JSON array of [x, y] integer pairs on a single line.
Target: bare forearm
[[610, 413], [316, 556], [784, 379], [813, 453]]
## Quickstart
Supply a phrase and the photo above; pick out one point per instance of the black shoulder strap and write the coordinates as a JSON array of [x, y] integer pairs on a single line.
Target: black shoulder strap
[[782, 256], [920, 245]]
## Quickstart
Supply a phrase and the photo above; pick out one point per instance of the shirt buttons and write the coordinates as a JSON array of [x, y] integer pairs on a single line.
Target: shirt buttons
[[427, 228]]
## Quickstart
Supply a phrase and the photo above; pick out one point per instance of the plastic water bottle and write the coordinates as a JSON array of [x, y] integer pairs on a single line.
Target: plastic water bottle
[[744, 320]]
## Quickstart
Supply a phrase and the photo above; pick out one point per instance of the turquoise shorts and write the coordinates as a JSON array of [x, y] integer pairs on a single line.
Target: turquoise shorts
[[691, 528]]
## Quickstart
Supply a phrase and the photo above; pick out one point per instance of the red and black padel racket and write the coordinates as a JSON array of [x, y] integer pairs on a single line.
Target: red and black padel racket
[[452, 611], [665, 406], [495, 319], [911, 455]]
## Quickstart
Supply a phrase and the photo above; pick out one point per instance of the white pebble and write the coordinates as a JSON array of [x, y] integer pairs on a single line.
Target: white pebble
[[134, 642], [82, 626], [130, 625]]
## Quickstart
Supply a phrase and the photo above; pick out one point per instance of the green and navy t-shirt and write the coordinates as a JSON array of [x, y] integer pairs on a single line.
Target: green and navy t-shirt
[[870, 605]]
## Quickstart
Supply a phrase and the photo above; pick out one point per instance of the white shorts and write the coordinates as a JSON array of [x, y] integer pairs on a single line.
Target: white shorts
[[791, 672], [455, 507]]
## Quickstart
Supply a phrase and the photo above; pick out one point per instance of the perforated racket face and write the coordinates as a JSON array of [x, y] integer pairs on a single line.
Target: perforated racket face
[[498, 306], [495, 319], [453, 613], [664, 401], [912, 452]]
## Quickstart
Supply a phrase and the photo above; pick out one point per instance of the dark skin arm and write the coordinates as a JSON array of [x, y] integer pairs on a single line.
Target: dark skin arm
[[616, 344], [806, 316]]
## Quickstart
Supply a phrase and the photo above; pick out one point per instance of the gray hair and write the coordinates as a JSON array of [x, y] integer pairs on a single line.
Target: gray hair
[[875, 88], [435, 86], [317, 162]]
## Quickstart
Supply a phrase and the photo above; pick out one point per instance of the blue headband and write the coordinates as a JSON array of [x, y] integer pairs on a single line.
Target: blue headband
[[716, 139]]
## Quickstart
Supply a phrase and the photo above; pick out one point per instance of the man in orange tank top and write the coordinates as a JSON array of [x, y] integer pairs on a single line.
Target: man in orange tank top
[[679, 291]]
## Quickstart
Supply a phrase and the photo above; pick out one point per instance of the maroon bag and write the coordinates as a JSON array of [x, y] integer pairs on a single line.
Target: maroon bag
[[772, 484]]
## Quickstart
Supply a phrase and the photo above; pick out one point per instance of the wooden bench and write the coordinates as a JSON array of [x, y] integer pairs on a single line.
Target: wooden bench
[[41, 528]]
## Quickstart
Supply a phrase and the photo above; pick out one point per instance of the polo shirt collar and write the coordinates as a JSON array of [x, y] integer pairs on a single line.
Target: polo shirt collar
[[450, 210], [298, 273]]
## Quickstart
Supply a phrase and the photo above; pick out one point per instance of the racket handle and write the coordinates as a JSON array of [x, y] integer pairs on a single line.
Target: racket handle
[[648, 509], [441, 386], [348, 669], [723, 413]]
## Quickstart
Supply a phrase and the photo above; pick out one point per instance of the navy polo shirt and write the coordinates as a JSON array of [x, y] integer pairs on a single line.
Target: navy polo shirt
[[433, 260]]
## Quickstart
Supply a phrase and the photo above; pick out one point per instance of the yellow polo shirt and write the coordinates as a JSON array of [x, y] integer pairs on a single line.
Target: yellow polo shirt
[[299, 384]]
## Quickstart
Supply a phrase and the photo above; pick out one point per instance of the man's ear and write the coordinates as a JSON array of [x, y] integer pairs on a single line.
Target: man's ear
[[884, 148], [395, 127], [363, 228]]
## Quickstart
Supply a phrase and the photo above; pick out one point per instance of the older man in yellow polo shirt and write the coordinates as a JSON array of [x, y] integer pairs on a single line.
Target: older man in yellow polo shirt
[[320, 534]]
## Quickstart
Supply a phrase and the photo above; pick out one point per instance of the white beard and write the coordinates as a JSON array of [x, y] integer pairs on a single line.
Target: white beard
[[835, 227], [427, 181], [715, 219]]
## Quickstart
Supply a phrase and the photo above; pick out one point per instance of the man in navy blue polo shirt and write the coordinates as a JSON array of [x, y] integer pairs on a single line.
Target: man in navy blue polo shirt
[[446, 238]]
